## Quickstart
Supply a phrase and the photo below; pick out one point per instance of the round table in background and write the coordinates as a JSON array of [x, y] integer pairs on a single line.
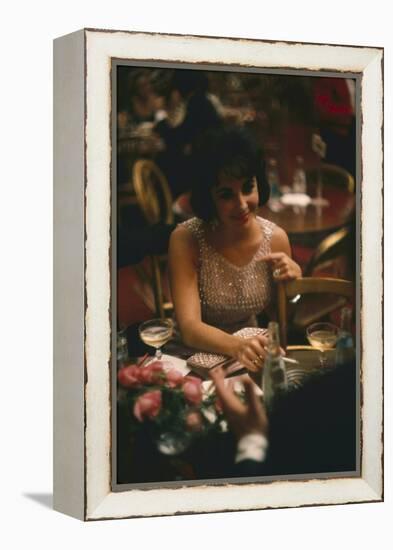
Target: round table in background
[[312, 223]]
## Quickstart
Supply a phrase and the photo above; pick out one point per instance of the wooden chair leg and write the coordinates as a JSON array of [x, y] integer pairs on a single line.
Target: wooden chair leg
[[282, 313], [157, 287]]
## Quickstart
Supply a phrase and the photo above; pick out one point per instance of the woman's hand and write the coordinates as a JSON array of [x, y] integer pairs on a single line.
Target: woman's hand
[[251, 352], [283, 267]]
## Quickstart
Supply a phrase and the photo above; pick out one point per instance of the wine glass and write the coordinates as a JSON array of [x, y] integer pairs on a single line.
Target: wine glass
[[173, 443], [319, 147], [319, 200], [322, 336], [122, 348], [156, 333]]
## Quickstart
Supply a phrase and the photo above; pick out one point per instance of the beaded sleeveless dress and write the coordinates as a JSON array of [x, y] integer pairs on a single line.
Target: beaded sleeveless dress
[[231, 296]]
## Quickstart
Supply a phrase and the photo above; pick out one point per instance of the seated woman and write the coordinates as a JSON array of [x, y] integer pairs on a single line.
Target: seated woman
[[223, 262]]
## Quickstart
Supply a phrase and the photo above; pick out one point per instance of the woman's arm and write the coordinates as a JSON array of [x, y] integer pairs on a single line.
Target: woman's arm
[[183, 258]]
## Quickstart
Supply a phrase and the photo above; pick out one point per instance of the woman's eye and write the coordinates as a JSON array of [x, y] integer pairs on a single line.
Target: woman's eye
[[224, 196], [248, 188]]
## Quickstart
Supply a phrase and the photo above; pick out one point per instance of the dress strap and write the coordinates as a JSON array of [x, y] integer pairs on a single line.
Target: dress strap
[[267, 228], [195, 227]]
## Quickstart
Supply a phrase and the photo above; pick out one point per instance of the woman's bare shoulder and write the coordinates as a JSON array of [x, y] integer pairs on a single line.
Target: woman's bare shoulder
[[279, 233], [279, 241], [182, 234], [183, 241]]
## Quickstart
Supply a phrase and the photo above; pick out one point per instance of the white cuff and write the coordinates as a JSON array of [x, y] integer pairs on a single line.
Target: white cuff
[[252, 447]]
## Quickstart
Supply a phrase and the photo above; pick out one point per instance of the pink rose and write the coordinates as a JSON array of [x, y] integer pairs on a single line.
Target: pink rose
[[156, 366], [148, 405], [174, 378], [194, 421], [192, 388], [128, 377], [152, 373]]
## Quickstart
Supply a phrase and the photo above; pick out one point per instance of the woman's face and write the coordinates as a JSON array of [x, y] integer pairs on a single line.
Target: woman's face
[[236, 200]]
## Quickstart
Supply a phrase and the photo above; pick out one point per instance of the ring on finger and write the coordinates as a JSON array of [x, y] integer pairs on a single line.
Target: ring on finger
[[276, 272]]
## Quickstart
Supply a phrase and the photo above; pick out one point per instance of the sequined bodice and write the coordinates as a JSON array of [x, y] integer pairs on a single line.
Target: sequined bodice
[[231, 296]]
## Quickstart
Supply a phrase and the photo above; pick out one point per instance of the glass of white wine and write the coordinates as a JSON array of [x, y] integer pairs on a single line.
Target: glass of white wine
[[322, 336], [156, 333]]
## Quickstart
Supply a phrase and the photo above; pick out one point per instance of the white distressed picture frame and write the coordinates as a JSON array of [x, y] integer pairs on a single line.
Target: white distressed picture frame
[[82, 240]]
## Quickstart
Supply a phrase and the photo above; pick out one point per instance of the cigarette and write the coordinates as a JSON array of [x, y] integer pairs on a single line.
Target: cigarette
[[292, 361]]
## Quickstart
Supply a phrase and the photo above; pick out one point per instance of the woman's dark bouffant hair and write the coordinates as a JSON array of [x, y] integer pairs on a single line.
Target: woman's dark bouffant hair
[[228, 151]]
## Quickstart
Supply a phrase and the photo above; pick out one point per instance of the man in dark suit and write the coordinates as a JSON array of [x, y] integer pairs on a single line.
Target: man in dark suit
[[309, 430], [189, 88]]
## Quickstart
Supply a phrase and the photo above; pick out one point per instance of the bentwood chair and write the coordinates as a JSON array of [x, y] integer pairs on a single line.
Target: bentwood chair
[[332, 175], [152, 192], [329, 250], [154, 198], [319, 287]]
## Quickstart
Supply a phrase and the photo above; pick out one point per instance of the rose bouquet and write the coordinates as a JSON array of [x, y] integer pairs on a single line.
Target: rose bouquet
[[170, 406]]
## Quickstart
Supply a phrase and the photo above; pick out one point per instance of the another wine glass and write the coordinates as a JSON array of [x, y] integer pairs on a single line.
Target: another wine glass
[[156, 333], [319, 147], [322, 336], [173, 443], [122, 348], [319, 200]]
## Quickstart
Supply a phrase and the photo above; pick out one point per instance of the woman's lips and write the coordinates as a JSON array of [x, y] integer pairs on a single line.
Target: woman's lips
[[243, 218]]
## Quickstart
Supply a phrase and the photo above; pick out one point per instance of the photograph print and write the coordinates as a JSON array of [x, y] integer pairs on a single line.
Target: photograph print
[[235, 321]]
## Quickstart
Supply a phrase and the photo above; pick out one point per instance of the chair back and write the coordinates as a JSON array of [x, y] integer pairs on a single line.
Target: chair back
[[155, 200], [330, 248], [332, 175], [308, 285], [152, 192], [162, 302]]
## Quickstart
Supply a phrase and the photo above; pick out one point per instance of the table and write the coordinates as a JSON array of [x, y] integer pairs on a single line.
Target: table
[[309, 225], [314, 221], [309, 432]]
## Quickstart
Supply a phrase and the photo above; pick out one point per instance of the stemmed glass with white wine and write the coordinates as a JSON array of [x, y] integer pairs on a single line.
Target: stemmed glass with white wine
[[322, 336], [156, 333]]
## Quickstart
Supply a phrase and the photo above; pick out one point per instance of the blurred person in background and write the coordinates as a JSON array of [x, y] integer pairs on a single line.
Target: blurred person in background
[[334, 100], [137, 102], [187, 114]]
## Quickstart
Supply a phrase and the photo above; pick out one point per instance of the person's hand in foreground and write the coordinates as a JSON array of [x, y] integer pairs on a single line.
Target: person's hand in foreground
[[243, 418], [248, 421]]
